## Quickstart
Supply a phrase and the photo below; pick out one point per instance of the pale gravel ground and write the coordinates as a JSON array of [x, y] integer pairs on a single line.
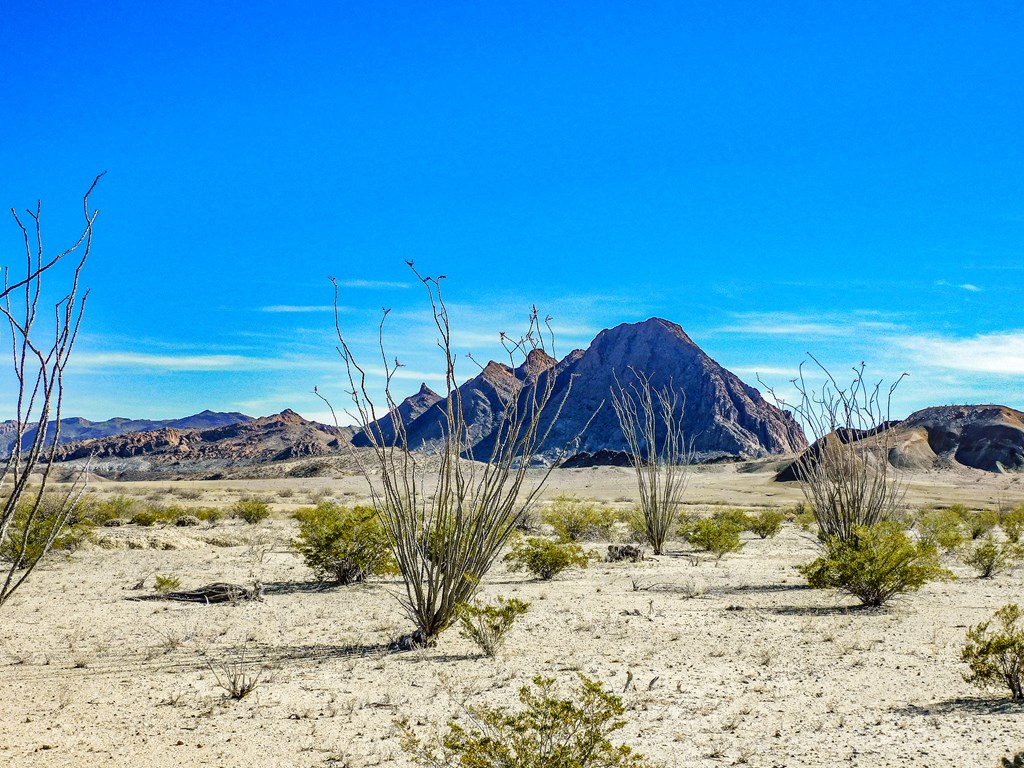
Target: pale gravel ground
[[757, 670]]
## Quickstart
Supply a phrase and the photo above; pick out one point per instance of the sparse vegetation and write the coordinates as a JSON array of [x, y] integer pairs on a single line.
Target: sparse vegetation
[[989, 557], [487, 624], [1012, 524], [877, 564], [995, 656], [719, 536], [548, 732], [941, 528], [979, 522], [766, 523], [164, 584], [544, 558], [38, 526], [251, 509], [345, 545], [240, 676], [651, 420], [575, 519]]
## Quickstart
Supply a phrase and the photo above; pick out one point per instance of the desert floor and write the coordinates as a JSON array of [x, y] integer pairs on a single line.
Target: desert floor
[[731, 663]]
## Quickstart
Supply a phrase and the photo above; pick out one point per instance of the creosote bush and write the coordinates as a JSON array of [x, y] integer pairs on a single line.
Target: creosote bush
[[576, 519], [39, 526], [989, 557], [766, 523], [547, 732], [878, 563], [980, 522], [1012, 523], [486, 624], [995, 656], [719, 536], [544, 558], [342, 544], [251, 509], [941, 528]]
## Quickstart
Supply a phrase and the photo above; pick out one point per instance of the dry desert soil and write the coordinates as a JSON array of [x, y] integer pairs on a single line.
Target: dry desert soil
[[730, 663]]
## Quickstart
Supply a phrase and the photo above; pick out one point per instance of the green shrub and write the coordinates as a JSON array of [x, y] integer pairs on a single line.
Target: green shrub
[[212, 515], [548, 732], [719, 537], [576, 519], [252, 509], [766, 523], [879, 563], [145, 518], [737, 517], [1012, 524], [636, 524], [342, 544], [165, 584], [25, 541], [486, 624], [996, 658], [803, 515], [980, 522], [113, 508], [544, 558], [989, 557], [941, 528]]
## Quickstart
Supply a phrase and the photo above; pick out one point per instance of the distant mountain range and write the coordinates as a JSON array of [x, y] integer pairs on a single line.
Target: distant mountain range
[[724, 417], [74, 428]]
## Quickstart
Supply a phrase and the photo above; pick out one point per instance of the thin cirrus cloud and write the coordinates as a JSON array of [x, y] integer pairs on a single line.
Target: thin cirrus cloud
[[143, 360], [999, 353], [372, 284], [786, 324], [299, 308]]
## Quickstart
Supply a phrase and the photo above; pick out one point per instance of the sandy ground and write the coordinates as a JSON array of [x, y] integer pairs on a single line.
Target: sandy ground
[[732, 663]]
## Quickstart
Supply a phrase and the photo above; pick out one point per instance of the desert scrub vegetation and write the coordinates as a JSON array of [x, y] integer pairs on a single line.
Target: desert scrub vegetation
[[251, 509], [487, 624], [33, 515], [941, 528], [342, 544], [845, 476], [979, 522], [544, 558], [766, 524], [878, 563], [546, 732], [164, 583], [994, 652], [575, 519], [651, 420], [473, 497], [1012, 523], [718, 535], [989, 557]]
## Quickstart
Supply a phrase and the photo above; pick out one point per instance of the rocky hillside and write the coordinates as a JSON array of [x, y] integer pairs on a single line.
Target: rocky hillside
[[75, 429], [723, 416], [986, 437], [169, 451]]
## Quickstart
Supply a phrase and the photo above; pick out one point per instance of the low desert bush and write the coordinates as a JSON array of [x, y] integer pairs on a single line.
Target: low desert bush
[[26, 540], [766, 523], [879, 563], [737, 517], [239, 676], [547, 732], [343, 544], [112, 508], [186, 521], [576, 519], [980, 522], [717, 536], [1012, 523], [212, 515], [995, 657], [165, 584], [544, 558], [252, 509], [146, 518], [941, 528], [989, 557], [802, 514], [486, 624]]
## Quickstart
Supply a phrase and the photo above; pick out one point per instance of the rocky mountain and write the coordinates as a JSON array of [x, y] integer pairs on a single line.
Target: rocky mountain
[[169, 451], [408, 411], [723, 416], [75, 429], [986, 437]]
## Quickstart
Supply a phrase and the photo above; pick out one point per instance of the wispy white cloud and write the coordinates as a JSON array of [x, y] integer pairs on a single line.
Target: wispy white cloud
[[789, 324], [144, 360], [993, 353], [970, 287], [372, 284], [300, 308]]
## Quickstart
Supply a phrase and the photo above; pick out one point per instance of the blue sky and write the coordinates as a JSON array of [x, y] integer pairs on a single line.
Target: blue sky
[[826, 177]]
